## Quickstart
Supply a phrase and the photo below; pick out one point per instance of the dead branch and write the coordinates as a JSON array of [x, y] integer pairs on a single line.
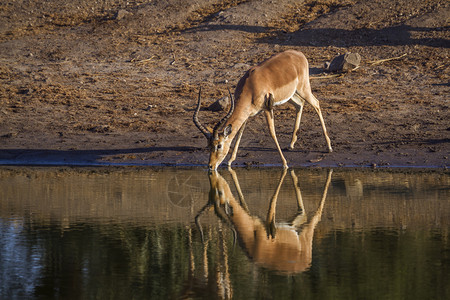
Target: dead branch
[[327, 76], [376, 62]]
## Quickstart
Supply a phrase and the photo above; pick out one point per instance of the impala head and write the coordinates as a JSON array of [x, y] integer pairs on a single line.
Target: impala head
[[219, 138], [218, 188]]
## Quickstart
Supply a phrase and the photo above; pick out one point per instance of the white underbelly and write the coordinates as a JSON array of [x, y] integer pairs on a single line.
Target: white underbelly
[[283, 101], [289, 88]]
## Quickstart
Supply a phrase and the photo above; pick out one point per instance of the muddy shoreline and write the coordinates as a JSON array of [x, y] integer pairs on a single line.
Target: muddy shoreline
[[116, 84]]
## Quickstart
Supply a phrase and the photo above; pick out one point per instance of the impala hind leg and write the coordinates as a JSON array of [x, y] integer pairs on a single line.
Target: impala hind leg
[[298, 102], [309, 97], [270, 123], [300, 218], [236, 145]]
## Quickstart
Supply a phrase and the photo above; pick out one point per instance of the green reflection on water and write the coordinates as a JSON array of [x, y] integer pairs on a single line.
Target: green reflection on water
[[130, 233]]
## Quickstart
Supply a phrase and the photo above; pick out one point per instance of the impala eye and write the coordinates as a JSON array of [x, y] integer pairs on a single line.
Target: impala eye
[[219, 146]]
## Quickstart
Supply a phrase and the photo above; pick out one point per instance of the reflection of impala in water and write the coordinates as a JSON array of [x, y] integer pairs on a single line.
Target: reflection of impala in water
[[283, 247]]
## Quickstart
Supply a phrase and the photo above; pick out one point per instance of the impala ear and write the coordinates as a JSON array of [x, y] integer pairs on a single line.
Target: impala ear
[[227, 130]]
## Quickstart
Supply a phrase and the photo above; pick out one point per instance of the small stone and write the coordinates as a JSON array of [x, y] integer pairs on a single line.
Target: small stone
[[25, 91], [8, 135], [122, 13], [241, 66], [220, 105], [100, 129]]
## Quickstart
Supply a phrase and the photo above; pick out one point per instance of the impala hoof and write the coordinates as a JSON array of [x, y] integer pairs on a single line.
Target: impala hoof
[[289, 148]]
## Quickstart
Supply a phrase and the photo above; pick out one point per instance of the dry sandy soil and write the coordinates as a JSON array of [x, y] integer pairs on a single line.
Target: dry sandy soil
[[112, 81]]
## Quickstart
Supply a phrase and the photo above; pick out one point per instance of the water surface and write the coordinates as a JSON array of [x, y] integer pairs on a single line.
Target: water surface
[[146, 233]]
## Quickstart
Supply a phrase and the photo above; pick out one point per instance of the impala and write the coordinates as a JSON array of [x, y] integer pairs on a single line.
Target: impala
[[282, 78], [284, 247]]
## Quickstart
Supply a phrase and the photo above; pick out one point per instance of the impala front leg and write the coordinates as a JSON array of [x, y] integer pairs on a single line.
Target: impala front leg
[[270, 220], [269, 118], [236, 145]]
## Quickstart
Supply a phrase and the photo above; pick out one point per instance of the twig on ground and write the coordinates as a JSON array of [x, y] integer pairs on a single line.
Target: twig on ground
[[144, 60], [440, 67], [376, 62], [328, 76]]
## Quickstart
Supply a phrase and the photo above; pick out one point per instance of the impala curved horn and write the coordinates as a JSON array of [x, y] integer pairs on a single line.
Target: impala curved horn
[[230, 112], [195, 117]]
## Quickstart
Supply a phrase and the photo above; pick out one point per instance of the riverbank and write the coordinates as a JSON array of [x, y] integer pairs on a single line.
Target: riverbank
[[89, 84]]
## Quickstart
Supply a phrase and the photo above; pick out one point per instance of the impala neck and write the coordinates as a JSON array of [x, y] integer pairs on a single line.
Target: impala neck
[[242, 221], [238, 118]]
